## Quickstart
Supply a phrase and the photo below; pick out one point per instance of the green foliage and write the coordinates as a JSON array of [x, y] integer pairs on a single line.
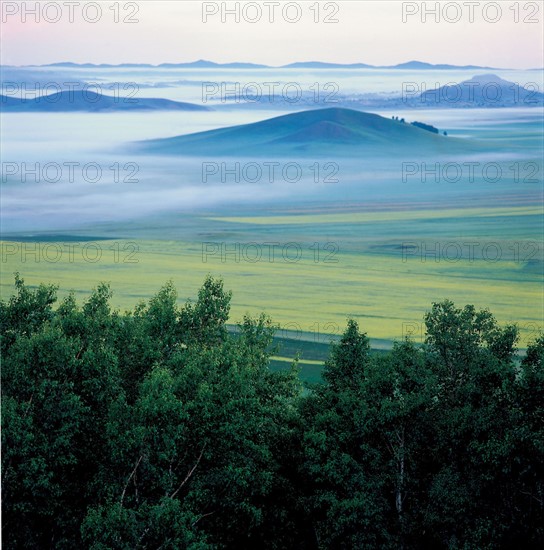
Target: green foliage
[[438, 447], [158, 428], [155, 427], [346, 366]]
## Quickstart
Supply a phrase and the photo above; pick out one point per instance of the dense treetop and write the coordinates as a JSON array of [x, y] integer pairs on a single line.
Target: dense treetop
[[158, 428]]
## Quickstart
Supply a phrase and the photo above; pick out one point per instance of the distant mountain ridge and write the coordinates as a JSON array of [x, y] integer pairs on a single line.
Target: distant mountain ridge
[[482, 90], [204, 64], [88, 101], [485, 90]]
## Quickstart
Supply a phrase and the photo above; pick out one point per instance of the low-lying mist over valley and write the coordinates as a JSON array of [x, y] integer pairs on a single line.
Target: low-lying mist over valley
[[365, 160]]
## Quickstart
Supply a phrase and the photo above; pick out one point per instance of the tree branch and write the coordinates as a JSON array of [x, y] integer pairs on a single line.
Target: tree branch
[[201, 517], [129, 478], [188, 476]]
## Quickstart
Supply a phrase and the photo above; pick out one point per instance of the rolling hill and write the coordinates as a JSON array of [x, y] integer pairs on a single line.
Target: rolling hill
[[330, 132], [79, 100], [485, 90]]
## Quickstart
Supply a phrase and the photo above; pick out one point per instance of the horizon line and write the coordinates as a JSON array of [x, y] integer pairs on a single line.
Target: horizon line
[[294, 64]]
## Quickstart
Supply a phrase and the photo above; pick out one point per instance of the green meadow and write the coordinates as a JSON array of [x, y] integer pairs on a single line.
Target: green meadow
[[382, 268], [375, 246]]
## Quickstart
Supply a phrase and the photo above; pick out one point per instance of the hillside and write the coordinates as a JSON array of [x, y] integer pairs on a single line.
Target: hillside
[[331, 132], [79, 100], [486, 90]]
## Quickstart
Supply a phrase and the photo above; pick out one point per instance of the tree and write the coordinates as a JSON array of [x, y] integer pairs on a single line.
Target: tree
[[348, 358], [472, 359], [527, 496], [160, 428], [341, 463], [195, 460], [401, 391], [26, 311]]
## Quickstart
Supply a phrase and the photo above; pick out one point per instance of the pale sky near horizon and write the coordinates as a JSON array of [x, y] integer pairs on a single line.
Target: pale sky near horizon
[[367, 31]]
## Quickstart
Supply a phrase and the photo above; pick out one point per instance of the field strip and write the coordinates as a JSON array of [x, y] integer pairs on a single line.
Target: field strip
[[300, 361], [363, 217]]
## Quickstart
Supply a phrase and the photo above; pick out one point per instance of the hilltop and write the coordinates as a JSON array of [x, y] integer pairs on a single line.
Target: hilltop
[[331, 132]]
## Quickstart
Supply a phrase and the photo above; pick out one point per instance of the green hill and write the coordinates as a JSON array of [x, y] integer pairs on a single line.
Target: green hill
[[332, 132]]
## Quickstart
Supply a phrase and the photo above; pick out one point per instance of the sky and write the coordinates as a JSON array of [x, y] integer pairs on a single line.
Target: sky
[[497, 34]]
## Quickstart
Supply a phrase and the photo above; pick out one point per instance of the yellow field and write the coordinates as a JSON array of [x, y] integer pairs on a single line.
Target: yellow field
[[387, 296], [363, 217]]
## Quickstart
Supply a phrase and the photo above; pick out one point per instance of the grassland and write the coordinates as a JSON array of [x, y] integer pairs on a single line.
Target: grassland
[[383, 269]]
